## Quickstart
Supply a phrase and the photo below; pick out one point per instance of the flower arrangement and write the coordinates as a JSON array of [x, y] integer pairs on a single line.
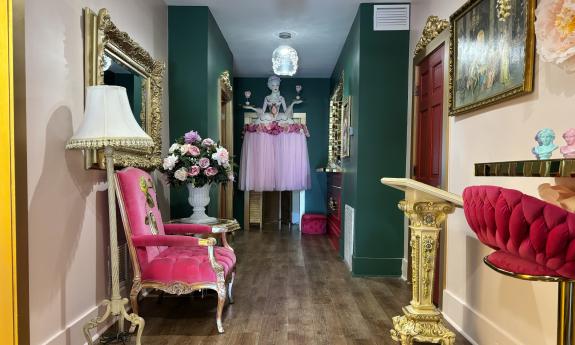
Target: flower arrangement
[[198, 162], [555, 29]]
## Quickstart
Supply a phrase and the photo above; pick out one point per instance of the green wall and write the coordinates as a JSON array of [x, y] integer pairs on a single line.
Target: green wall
[[198, 54], [315, 95], [375, 67]]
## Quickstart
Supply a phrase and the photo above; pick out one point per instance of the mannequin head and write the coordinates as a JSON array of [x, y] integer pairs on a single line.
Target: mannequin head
[[274, 83]]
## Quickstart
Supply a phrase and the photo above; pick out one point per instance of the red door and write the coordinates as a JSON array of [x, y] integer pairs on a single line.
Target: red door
[[430, 119], [429, 130]]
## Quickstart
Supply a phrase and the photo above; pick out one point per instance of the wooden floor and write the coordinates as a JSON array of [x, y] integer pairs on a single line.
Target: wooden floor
[[288, 290]]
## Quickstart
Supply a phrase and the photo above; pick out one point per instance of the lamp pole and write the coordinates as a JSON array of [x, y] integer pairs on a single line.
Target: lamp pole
[[116, 306]]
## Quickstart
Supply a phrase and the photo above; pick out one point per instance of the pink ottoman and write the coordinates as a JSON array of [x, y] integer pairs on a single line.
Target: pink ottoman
[[313, 224]]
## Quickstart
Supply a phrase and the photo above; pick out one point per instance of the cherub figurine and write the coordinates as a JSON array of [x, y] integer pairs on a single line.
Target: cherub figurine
[[273, 104], [546, 146], [568, 150]]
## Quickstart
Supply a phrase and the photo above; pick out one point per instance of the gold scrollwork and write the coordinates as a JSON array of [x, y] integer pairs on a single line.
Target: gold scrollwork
[[433, 27], [428, 263], [422, 328], [414, 243], [102, 38], [426, 213], [226, 83]]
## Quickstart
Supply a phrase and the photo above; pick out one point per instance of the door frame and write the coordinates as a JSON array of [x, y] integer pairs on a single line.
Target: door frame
[[225, 92], [432, 46]]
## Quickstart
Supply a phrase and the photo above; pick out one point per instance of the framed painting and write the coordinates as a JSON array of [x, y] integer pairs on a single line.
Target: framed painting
[[492, 53], [346, 127]]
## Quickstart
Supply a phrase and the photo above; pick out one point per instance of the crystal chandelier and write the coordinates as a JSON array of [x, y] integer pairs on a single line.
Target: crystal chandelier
[[284, 60]]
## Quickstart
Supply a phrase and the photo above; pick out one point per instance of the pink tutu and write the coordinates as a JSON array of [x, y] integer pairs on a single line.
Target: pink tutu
[[274, 162]]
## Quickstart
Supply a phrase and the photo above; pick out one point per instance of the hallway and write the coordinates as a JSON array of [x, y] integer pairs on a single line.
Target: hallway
[[287, 291]]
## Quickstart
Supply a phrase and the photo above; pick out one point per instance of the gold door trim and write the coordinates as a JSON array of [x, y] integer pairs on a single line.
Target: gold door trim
[[427, 46]]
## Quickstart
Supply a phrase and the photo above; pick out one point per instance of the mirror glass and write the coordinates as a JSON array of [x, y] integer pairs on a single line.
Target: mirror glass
[[115, 73]]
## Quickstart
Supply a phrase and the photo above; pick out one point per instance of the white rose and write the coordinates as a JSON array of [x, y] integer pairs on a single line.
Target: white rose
[[170, 162], [181, 174], [174, 147]]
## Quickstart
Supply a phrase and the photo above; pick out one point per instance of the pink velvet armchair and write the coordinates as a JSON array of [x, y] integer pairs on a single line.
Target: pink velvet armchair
[[161, 257]]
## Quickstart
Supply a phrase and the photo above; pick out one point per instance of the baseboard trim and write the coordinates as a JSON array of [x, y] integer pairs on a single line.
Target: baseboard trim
[[473, 325], [74, 334]]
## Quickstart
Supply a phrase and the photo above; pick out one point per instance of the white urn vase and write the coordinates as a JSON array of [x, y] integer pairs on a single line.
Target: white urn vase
[[199, 198]]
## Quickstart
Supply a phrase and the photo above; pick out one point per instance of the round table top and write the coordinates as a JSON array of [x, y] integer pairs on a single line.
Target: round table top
[[224, 225]]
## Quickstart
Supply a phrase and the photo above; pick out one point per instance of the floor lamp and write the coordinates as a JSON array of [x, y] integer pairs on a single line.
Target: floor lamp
[[109, 124]]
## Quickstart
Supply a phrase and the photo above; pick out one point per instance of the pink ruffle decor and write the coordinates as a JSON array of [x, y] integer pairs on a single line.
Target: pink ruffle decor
[[275, 128], [555, 30], [275, 158]]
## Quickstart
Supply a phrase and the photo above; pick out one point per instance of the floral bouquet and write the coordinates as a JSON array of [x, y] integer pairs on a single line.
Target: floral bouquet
[[198, 162]]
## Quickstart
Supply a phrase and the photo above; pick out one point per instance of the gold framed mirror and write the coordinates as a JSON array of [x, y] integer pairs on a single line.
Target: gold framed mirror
[[112, 57]]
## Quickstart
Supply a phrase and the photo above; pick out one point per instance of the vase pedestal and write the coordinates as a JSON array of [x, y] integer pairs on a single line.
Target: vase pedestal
[[427, 209], [199, 198]]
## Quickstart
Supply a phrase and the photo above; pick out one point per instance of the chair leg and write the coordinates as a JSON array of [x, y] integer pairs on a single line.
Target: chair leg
[[134, 298], [221, 303], [230, 285]]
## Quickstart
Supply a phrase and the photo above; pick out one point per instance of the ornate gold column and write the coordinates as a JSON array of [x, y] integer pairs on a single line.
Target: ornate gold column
[[421, 320]]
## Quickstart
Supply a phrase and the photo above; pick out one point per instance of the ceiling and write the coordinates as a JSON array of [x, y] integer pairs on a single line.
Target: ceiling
[[251, 27]]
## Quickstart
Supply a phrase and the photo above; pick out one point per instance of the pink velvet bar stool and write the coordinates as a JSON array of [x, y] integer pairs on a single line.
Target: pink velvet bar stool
[[164, 259], [533, 240]]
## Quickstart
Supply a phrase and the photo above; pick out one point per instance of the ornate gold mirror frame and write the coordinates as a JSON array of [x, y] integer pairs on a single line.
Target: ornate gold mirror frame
[[103, 39]]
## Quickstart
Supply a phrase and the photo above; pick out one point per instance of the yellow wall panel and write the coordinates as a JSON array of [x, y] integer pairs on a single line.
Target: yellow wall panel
[[7, 214]]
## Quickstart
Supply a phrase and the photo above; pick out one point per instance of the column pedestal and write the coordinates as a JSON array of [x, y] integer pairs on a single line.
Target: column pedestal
[[421, 320]]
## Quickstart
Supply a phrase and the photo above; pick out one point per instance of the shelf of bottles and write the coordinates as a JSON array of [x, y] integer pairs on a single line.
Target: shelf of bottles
[[335, 115]]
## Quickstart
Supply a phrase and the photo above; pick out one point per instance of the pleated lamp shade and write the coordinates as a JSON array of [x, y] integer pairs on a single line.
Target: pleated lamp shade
[[108, 121]]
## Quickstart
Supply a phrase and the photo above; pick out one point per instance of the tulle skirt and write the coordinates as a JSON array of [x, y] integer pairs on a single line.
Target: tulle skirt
[[274, 162]]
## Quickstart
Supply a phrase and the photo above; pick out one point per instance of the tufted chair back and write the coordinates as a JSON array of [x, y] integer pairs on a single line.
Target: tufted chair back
[[140, 213], [529, 235]]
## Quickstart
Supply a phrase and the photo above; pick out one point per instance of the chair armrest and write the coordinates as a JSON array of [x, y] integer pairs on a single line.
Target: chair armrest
[[182, 229], [171, 241]]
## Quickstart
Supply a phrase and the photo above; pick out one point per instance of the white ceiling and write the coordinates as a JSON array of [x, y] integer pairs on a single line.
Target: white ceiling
[[251, 27]]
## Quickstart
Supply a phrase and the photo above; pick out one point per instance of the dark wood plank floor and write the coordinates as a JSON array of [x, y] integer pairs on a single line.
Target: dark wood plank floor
[[288, 290]]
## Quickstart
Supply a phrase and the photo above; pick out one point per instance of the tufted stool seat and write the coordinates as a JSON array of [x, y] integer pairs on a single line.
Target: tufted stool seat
[[532, 239], [530, 236], [313, 224]]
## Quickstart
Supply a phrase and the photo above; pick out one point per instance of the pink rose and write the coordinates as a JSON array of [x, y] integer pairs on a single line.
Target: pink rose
[[208, 142], [231, 177], [211, 171], [221, 155], [204, 163], [194, 150], [194, 170]]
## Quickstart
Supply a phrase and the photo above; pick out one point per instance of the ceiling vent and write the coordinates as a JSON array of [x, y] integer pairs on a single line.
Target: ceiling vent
[[391, 17]]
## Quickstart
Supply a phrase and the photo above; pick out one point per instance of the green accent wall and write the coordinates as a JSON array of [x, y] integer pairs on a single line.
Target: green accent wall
[[375, 68], [315, 95], [198, 55]]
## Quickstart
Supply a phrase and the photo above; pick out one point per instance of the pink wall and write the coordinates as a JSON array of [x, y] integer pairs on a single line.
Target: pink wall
[[68, 205], [488, 307]]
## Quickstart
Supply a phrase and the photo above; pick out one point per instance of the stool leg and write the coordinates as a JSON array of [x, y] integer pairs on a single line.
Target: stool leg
[[565, 317]]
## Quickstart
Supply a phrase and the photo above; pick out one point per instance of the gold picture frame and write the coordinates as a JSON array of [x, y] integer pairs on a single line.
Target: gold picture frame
[[102, 39], [485, 66]]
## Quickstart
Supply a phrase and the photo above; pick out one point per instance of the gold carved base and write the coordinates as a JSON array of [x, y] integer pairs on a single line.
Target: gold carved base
[[420, 327]]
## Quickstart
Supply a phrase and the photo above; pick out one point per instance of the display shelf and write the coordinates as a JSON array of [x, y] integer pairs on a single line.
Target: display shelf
[[528, 168]]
